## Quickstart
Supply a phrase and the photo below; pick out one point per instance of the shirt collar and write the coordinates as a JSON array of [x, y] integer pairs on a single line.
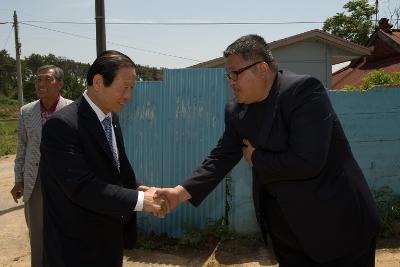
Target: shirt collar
[[100, 114], [53, 106]]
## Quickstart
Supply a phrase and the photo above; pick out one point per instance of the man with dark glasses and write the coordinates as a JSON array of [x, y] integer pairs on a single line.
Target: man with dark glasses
[[309, 193]]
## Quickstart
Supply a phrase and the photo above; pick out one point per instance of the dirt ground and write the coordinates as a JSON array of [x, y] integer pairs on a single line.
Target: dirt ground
[[15, 251]]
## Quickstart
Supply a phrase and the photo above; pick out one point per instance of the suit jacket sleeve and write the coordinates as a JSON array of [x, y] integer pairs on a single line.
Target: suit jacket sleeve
[[310, 120], [62, 150], [214, 168], [21, 149]]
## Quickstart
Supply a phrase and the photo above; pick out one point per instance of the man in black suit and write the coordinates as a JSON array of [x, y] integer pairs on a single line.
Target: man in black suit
[[90, 193], [309, 192]]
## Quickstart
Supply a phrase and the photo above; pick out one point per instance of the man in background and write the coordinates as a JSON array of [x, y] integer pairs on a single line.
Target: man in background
[[49, 80]]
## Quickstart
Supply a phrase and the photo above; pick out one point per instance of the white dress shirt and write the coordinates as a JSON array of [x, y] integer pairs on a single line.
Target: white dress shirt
[[101, 116]]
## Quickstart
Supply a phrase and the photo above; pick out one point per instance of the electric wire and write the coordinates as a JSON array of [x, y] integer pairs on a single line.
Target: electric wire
[[8, 37], [114, 43]]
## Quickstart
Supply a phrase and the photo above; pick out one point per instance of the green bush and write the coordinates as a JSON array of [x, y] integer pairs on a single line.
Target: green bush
[[213, 230], [8, 137], [396, 78], [389, 208], [375, 78], [8, 108], [349, 88]]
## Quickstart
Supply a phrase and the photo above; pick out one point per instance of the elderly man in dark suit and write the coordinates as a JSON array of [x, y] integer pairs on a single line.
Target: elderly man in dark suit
[[309, 192], [90, 193]]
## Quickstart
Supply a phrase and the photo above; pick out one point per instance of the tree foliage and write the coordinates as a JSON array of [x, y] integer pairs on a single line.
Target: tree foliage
[[74, 75], [381, 78], [376, 78], [354, 24], [7, 75]]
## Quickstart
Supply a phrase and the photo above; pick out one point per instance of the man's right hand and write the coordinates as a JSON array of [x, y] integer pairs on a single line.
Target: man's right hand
[[174, 196], [17, 191], [154, 205]]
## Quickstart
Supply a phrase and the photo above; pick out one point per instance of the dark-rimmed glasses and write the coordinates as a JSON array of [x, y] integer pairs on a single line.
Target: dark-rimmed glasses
[[234, 74]]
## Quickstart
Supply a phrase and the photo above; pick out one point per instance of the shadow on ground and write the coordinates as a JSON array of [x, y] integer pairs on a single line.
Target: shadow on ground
[[247, 251], [393, 242], [175, 257]]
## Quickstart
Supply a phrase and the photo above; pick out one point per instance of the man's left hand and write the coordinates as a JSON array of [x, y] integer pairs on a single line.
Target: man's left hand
[[248, 151]]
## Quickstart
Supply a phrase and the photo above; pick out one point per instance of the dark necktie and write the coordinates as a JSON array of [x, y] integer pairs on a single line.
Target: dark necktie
[[108, 131]]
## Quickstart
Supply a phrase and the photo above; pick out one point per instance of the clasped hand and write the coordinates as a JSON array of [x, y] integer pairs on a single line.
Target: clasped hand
[[160, 201]]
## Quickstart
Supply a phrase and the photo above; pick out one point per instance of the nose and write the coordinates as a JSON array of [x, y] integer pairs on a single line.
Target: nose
[[127, 94], [232, 83]]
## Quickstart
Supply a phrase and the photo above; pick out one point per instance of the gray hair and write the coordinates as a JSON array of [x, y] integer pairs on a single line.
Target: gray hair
[[58, 72], [252, 47]]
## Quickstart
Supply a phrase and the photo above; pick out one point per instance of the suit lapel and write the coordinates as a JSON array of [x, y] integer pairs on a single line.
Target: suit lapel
[[61, 103], [35, 122], [94, 127], [270, 111]]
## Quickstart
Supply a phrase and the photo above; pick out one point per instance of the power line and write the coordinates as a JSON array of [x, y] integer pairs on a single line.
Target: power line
[[199, 23], [67, 33], [176, 23], [8, 37], [114, 43]]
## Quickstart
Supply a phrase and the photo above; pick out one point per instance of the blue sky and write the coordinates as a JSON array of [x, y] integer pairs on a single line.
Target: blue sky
[[150, 44]]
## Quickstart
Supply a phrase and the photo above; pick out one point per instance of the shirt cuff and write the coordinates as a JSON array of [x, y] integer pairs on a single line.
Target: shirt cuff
[[139, 203]]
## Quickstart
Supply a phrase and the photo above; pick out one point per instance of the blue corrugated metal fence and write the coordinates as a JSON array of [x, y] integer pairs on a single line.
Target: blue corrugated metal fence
[[169, 127]]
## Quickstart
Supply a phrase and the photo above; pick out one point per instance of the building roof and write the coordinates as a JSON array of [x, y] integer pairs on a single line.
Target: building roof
[[385, 43], [355, 49]]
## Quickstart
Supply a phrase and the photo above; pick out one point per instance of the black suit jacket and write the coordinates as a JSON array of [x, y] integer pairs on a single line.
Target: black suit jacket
[[302, 159], [88, 204]]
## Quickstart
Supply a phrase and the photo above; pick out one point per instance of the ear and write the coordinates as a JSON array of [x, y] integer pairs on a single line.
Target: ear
[[264, 67], [60, 84], [98, 82]]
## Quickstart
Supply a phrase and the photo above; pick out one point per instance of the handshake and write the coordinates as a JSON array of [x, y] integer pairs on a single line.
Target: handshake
[[160, 201]]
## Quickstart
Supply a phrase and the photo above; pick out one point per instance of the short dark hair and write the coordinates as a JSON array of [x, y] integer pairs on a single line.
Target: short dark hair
[[58, 72], [107, 64], [252, 47]]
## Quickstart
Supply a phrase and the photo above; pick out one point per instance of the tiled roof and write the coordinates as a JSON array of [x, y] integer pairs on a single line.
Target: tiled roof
[[355, 75], [333, 40], [386, 56]]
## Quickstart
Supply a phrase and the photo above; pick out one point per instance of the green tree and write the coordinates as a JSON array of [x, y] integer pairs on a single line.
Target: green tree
[[7, 75], [146, 73], [354, 24], [74, 75]]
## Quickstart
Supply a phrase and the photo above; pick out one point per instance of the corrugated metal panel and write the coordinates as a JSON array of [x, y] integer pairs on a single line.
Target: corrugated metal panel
[[169, 127]]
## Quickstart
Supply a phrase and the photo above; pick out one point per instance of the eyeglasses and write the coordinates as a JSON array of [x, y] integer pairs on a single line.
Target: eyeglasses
[[234, 74], [44, 79]]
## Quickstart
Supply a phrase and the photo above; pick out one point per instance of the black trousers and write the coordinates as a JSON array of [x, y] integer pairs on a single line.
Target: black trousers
[[289, 253]]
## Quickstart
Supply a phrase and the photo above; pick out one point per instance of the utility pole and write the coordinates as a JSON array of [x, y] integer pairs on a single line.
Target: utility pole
[[376, 14], [18, 62], [100, 27]]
